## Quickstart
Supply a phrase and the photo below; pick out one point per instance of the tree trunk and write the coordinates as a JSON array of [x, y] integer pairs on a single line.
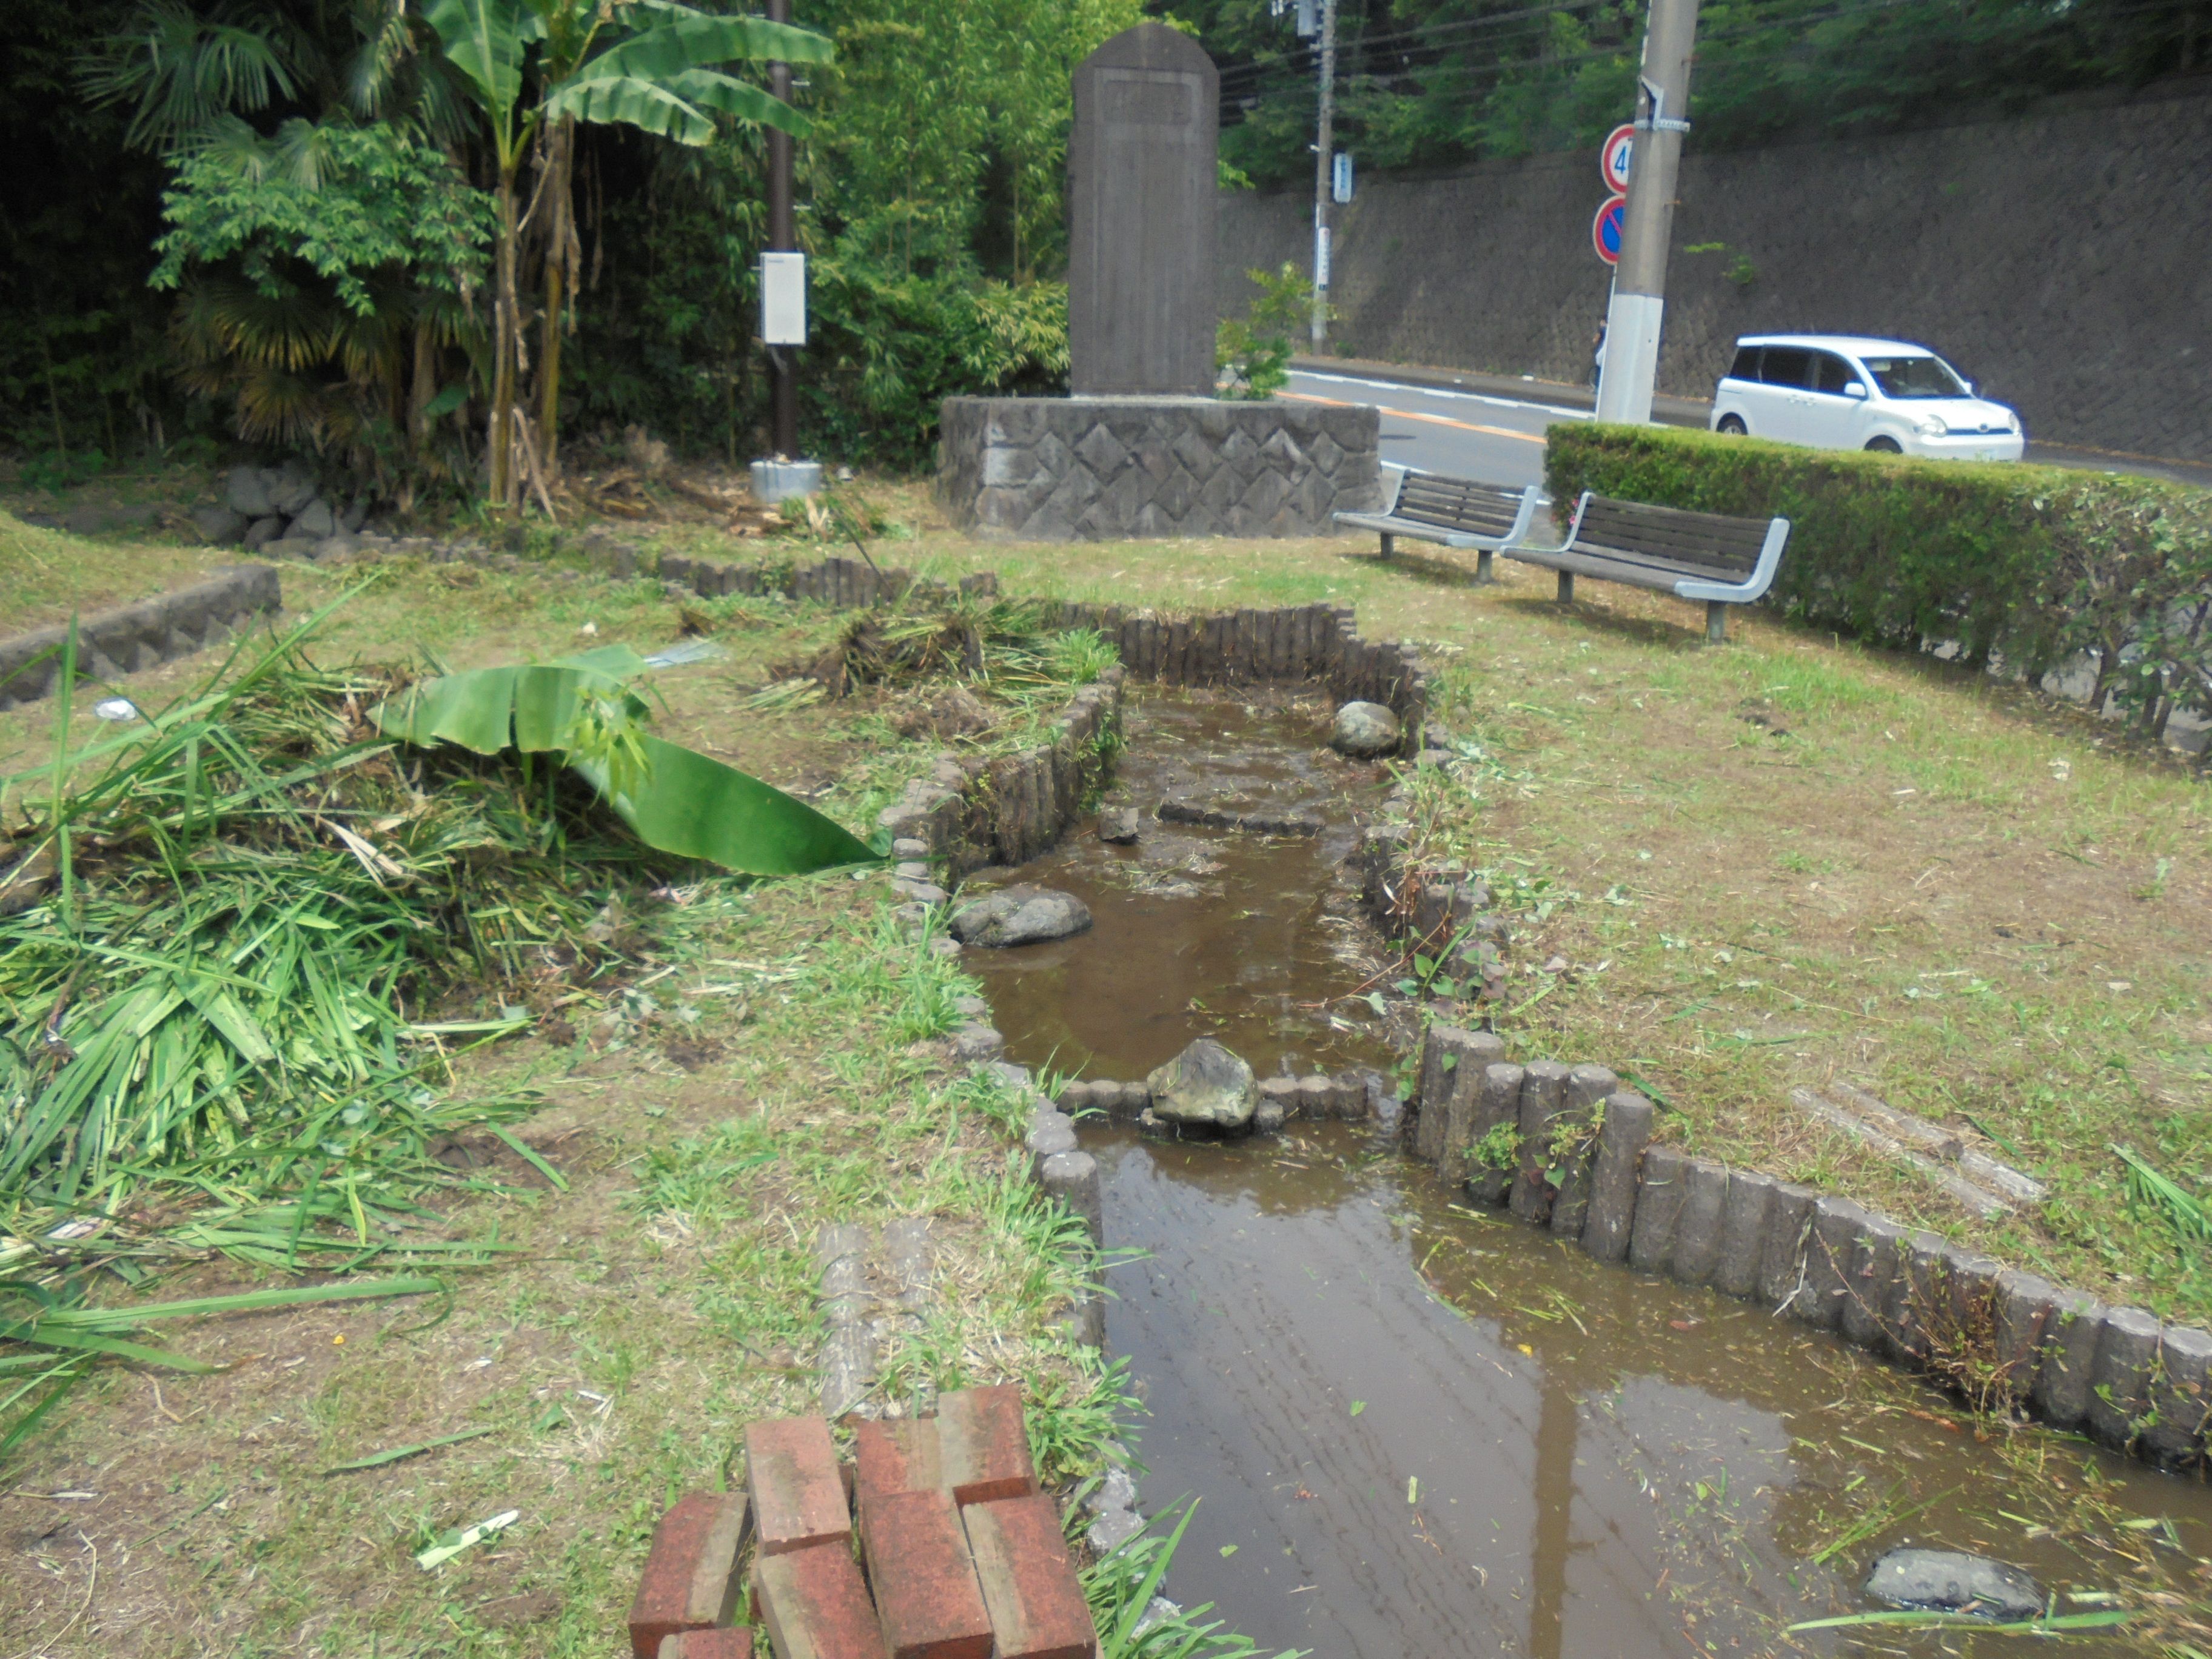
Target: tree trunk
[[507, 323], [561, 260], [421, 389]]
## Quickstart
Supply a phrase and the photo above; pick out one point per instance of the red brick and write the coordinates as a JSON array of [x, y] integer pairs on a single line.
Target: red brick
[[690, 1579], [707, 1645], [1036, 1601], [984, 1448], [798, 1492], [926, 1598], [889, 1458], [815, 1605]]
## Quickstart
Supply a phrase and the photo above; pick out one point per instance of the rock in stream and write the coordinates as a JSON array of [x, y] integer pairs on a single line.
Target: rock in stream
[[1019, 915], [1205, 1084]]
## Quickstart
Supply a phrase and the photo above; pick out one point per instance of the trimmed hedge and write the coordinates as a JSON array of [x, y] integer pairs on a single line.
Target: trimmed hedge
[[2025, 565]]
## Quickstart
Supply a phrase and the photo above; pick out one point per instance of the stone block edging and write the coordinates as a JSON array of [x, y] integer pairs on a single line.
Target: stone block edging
[[1995, 1334], [132, 637]]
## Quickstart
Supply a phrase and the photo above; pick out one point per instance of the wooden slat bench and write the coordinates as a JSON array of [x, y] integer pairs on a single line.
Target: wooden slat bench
[[1694, 556], [1456, 512]]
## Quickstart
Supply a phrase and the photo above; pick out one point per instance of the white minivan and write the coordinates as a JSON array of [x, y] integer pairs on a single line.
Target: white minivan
[[1839, 392]]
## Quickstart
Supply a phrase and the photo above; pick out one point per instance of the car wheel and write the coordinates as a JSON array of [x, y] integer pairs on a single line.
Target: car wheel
[[1885, 446], [1731, 424]]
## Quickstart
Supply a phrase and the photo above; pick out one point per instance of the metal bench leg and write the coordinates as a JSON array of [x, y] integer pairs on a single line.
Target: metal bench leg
[[1566, 587], [1482, 565], [1716, 620], [1389, 543]]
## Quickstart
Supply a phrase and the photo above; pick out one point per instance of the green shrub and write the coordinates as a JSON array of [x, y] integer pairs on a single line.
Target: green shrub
[[2023, 565], [1253, 352]]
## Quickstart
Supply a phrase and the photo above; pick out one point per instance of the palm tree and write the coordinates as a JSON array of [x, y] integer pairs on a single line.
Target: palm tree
[[538, 67]]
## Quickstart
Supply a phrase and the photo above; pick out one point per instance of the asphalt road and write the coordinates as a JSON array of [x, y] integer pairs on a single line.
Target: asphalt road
[[1467, 435], [1499, 439]]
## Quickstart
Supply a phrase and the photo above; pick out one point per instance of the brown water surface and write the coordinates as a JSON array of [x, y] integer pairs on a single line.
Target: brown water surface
[[1417, 1429]]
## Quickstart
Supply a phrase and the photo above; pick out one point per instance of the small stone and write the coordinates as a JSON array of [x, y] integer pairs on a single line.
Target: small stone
[[1206, 1084], [907, 848], [911, 869], [1019, 915], [1114, 1491], [1555, 964], [1113, 1530], [976, 1040], [1365, 730], [1950, 1580], [971, 1008], [920, 892], [1267, 1117], [1118, 825], [262, 532]]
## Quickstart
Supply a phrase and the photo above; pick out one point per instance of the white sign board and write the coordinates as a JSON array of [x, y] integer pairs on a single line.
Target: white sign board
[[783, 299], [1340, 176]]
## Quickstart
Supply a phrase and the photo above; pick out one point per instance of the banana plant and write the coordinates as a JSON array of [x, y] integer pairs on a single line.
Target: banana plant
[[538, 67], [677, 800]]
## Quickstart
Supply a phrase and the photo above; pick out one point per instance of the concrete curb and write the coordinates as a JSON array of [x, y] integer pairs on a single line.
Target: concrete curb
[[2133, 1383], [132, 637]]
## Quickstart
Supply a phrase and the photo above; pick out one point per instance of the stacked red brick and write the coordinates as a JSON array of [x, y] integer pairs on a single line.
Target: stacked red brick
[[963, 1556]]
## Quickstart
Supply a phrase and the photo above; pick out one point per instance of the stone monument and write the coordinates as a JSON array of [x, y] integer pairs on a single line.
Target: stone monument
[[1142, 447], [1142, 175]]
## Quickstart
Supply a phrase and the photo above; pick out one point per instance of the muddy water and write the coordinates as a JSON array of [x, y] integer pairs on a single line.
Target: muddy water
[[1418, 1430]]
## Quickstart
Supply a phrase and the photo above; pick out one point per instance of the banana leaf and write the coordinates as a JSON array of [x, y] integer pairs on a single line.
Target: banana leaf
[[677, 800]]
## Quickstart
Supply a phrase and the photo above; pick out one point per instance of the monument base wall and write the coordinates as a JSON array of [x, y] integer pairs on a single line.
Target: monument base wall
[[1096, 469]]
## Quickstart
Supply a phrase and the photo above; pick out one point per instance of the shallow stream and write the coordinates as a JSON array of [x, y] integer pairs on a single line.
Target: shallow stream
[[1417, 1429]]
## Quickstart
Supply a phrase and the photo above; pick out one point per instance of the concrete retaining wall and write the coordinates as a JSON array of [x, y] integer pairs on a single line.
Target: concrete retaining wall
[[137, 637], [1096, 469], [2057, 258]]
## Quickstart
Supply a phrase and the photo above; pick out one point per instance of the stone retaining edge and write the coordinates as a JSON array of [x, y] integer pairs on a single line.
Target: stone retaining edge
[[132, 637], [2132, 1384]]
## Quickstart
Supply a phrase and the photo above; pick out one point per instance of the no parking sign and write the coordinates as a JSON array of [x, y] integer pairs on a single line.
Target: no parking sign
[[1604, 229]]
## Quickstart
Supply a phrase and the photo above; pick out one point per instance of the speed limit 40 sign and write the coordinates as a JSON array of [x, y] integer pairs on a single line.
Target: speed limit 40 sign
[[1612, 157]]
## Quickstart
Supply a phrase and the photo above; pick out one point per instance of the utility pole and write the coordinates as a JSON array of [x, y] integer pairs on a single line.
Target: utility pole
[[1324, 146], [782, 238], [1639, 284]]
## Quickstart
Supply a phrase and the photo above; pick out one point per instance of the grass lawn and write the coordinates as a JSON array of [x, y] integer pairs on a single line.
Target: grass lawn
[[1777, 863]]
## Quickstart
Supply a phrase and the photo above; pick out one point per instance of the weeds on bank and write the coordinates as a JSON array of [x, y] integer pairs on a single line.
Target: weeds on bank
[[1788, 861]]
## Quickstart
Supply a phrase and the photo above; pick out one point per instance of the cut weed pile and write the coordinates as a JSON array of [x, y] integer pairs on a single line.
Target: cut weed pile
[[677, 1076]]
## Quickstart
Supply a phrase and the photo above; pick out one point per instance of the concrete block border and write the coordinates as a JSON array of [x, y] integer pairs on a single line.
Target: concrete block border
[[1996, 1335], [132, 637]]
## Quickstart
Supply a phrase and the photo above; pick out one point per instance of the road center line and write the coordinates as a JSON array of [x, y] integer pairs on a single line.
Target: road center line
[[1560, 411], [1416, 415]]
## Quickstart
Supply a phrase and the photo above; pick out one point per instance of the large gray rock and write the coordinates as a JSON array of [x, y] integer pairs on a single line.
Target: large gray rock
[[218, 524], [1364, 730], [291, 487], [248, 493], [1205, 1085], [1949, 1581], [315, 519], [1019, 915]]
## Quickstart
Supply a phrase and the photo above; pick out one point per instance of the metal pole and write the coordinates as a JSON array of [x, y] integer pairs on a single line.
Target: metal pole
[[782, 238], [1323, 159], [1639, 288]]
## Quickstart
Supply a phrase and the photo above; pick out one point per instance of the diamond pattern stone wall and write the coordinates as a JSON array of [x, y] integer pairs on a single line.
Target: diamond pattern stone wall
[[1096, 468]]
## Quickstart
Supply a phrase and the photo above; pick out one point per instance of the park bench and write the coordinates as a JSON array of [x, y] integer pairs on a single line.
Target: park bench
[[1456, 512], [1694, 556]]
